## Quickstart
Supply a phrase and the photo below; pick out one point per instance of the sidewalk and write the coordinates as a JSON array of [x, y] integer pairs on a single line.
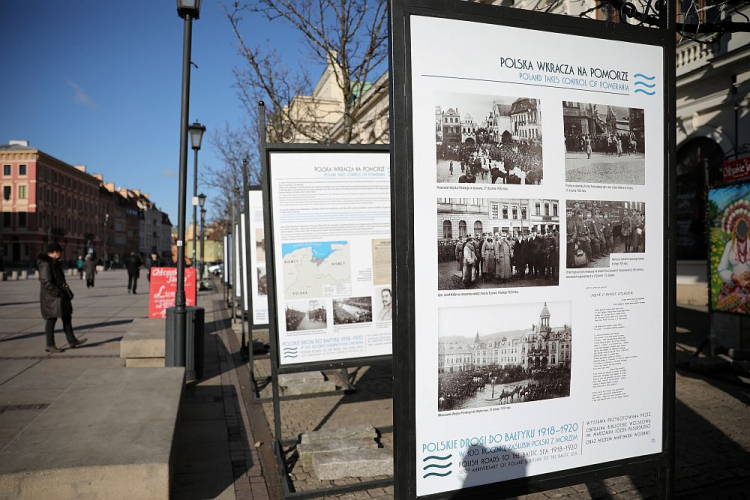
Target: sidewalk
[[214, 456]]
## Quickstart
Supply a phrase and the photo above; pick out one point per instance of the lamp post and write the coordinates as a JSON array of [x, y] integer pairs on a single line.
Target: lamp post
[[201, 203], [196, 137], [187, 10], [106, 227]]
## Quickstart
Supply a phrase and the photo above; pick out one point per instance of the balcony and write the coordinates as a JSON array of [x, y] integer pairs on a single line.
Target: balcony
[[692, 55]]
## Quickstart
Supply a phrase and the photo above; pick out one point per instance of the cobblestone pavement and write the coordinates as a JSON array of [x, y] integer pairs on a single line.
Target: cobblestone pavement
[[712, 423], [605, 169]]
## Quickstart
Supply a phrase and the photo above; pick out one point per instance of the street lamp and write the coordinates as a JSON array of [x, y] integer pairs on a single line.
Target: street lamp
[[201, 203], [196, 131], [187, 10]]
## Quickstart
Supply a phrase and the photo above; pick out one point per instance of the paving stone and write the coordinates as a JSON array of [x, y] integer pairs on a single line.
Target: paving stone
[[286, 379], [307, 451], [359, 463], [307, 388], [336, 434]]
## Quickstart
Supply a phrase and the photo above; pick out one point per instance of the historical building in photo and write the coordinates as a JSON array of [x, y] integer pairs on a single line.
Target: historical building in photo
[[541, 346]]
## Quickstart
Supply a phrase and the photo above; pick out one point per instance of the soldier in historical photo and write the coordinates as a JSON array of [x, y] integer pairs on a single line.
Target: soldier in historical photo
[[604, 144], [488, 139], [306, 315], [597, 229], [503, 354], [497, 243], [352, 310]]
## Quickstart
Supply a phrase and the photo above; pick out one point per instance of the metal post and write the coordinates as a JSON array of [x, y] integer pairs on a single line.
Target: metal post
[[203, 242], [180, 311], [195, 220]]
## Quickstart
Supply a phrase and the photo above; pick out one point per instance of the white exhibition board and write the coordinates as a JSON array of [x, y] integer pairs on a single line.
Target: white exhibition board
[[331, 226], [256, 240], [237, 263], [243, 257], [516, 380], [225, 273]]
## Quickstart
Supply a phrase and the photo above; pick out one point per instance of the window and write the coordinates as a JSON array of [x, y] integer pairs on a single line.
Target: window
[[40, 172], [21, 219], [26, 250], [6, 193], [554, 209], [6, 170], [21, 169], [54, 177], [523, 212], [21, 192], [515, 212], [462, 229], [538, 208], [495, 210], [6, 219], [46, 195], [505, 212], [546, 209], [478, 229], [447, 230]]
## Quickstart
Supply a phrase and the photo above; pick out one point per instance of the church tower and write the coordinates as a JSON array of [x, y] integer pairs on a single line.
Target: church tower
[[476, 339], [544, 318]]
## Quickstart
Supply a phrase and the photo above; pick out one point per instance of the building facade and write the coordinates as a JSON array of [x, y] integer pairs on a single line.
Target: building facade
[[540, 347]]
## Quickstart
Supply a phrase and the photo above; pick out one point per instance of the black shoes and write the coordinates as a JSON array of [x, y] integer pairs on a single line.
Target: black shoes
[[77, 342], [53, 349]]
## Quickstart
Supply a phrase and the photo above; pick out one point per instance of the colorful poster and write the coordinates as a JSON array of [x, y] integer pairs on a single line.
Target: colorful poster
[[163, 289], [728, 222], [331, 227], [539, 327]]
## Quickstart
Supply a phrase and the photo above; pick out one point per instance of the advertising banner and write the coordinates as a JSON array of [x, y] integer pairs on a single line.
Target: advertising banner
[[256, 239], [225, 273], [163, 289], [236, 259], [736, 170], [538, 170], [331, 227], [728, 223], [243, 259]]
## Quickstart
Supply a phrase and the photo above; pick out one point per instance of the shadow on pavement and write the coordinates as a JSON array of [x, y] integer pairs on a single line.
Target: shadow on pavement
[[76, 328]]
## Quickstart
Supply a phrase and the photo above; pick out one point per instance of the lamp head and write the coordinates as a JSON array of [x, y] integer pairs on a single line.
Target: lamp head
[[196, 131], [189, 7], [201, 200]]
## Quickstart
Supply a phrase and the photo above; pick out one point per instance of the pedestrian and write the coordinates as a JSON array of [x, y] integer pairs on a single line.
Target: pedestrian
[[79, 265], [89, 267], [55, 298], [451, 167], [133, 264], [152, 262]]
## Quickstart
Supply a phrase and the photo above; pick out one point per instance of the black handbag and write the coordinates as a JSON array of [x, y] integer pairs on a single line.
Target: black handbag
[[68, 291]]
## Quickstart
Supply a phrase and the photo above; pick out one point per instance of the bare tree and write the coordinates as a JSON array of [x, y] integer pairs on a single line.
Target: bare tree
[[348, 36]]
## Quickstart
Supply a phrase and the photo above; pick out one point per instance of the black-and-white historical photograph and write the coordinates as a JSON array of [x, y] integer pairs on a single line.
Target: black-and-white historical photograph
[[503, 354], [352, 310], [497, 243], [597, 229], [262, 280], [604, 144], [384, 300], [306, 315], [488, 139]]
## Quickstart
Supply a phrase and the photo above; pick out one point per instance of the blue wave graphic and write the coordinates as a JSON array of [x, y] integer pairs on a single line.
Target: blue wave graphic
[[437, 466], [649, 85], [436, 474], [641, 75], [435, 457], [644, 92]]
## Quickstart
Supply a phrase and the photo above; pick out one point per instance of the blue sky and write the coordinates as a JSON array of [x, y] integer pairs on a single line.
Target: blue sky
[[98, 83]]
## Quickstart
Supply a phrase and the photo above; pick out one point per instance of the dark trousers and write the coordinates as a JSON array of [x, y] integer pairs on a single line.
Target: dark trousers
[[132, 282], [49, 329]]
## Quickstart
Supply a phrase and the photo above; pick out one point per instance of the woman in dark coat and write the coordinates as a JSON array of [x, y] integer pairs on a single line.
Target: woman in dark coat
[[55, 297], [89, 268]]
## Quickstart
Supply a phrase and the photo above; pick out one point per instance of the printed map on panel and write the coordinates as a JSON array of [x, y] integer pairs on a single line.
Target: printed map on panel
[[316, 269]]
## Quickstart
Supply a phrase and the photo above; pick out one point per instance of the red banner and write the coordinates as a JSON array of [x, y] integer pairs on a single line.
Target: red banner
[[736, 170], [164, 288]]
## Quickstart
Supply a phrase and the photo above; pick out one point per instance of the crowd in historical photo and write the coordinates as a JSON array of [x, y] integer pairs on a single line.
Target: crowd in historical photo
[[514, 243], [352, 310], [597, 229], [604, 144], [488, 140], [524, 356], [306, 315]]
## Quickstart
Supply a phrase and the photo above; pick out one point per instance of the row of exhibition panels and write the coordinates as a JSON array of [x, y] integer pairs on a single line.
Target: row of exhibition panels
[[337, 247]]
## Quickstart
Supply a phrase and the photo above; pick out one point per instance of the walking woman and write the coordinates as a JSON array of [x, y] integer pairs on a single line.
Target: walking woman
[[89, 267], [55, 297]]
